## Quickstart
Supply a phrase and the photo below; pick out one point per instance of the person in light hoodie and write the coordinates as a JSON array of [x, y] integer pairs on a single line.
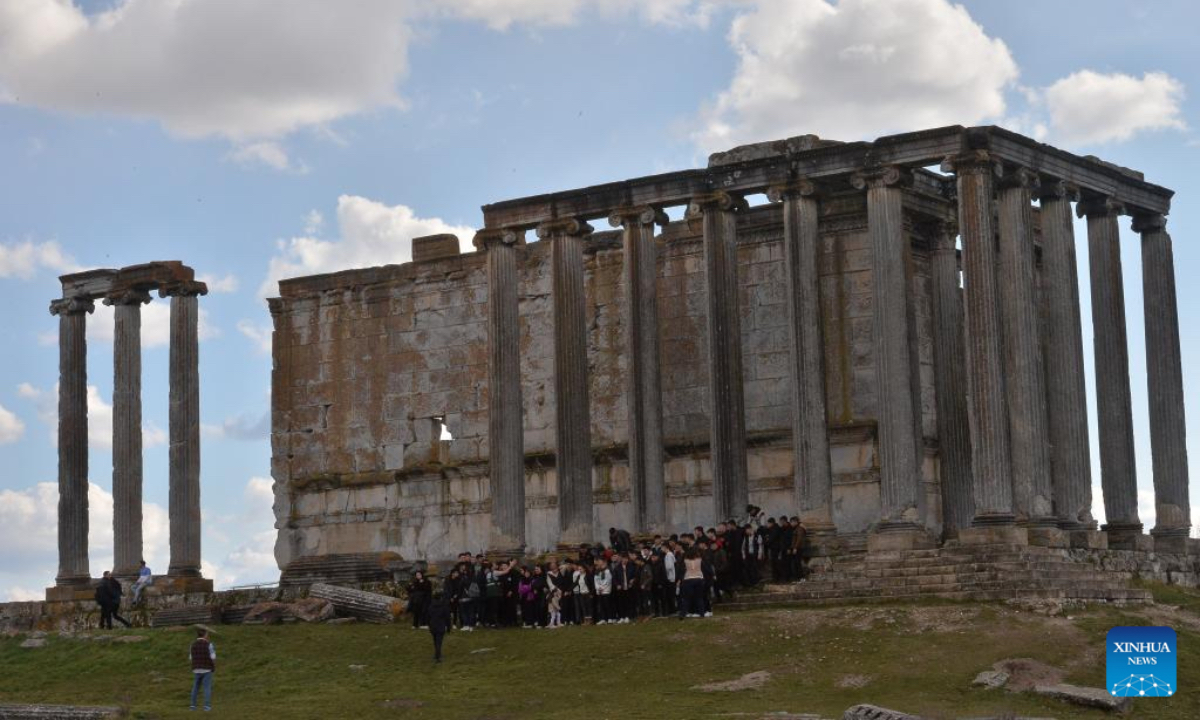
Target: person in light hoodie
[[603, 580]]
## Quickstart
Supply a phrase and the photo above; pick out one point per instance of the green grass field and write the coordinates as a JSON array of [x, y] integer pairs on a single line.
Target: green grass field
[[917, 658]]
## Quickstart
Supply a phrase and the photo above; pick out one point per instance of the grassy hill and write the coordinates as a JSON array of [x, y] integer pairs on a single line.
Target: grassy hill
[[920, 658]]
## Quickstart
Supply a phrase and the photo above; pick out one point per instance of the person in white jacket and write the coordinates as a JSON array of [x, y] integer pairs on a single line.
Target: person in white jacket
[[583, 596], [603, 580]]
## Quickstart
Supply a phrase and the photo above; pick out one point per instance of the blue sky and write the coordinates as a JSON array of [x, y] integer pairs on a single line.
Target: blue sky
[[255, 140]]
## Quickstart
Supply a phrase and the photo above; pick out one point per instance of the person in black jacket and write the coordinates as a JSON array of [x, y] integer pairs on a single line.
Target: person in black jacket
[[439, 622], [620, 540], [108, 597], [419, 591]]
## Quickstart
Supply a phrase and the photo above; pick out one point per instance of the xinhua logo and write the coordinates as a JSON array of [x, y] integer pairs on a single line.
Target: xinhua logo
[[1141, 662]]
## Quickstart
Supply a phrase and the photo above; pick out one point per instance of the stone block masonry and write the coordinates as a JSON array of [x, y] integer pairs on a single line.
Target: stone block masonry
[[560, 381]]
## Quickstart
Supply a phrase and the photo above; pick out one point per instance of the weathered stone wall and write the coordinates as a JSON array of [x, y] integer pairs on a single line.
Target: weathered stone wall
[[369, 363]]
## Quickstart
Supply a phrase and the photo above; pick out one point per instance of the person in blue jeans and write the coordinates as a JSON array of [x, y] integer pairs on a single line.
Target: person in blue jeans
[[203, 655]]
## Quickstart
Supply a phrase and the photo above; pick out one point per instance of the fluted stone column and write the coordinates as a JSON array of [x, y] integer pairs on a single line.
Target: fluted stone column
[[184, 431], [127, 430], [954, 439], [1118, 471], [72, 441], [1025, 384], [506, 448], [991, 458], [717, 214], [1164, 375], [813, 476], [1066, 393], [643, 390], [894, 334], [572, 432]]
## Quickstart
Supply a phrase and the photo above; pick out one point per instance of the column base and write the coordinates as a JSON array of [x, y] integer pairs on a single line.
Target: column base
[[1127, 536], [994, 535], [894, 537], [1172, 540], [1051, 537], [1089, 540], [70, 593]]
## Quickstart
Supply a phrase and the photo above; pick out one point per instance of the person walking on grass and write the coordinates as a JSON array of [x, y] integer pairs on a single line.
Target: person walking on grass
[[108, 597], [419, 591], [439, 622], [203, 655]]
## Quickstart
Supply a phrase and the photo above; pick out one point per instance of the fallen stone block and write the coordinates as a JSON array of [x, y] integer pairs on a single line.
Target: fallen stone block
[[34, 643], [1088, 697], [874, 712], [749, 681], [312, 610], [368, 606], [266, 613], [991, 679]]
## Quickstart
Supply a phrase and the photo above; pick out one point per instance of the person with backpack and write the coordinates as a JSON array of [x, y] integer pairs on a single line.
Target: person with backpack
[[203, 655]]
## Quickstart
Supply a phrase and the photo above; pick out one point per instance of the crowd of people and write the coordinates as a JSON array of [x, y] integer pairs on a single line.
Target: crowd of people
[[681, 575]]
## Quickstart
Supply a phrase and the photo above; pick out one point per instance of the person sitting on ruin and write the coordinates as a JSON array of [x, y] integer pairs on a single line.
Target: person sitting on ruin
[[419, 592], [620, 540], [108, 597], [145, 577]]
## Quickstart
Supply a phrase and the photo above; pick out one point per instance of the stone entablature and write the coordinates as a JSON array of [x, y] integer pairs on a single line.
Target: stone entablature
[[946, 405]]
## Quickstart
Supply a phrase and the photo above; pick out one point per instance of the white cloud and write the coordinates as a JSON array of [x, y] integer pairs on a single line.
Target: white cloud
[[266, 153], [856, 69], [226, 284], [156, 325], [502, 14], [253, 559], [11, 426], [260, 335], [20, 594], [231, 68], [1087, 107], [100, 417], [245, 426], [29, 531], [24, 259], [372, 233]]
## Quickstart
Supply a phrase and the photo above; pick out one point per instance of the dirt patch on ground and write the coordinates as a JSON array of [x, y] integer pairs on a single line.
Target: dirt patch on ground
[[853, 681], [1025, 673], [749, 681], [943, 619], [1172, 616]]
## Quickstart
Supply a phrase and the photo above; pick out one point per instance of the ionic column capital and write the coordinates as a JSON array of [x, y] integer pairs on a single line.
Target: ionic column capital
[[972, 162], [1099, 206], [1149, 222], [487, 238], [72, 306], [576, 227], [127, 296], [876, 177], [798, 187], [719, 200], [641, 215], [1019, 178], [1053, 189], [183, 288]]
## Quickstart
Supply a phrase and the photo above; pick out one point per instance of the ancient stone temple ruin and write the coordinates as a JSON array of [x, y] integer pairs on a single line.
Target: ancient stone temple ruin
[[888, 344], [127, 290]]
